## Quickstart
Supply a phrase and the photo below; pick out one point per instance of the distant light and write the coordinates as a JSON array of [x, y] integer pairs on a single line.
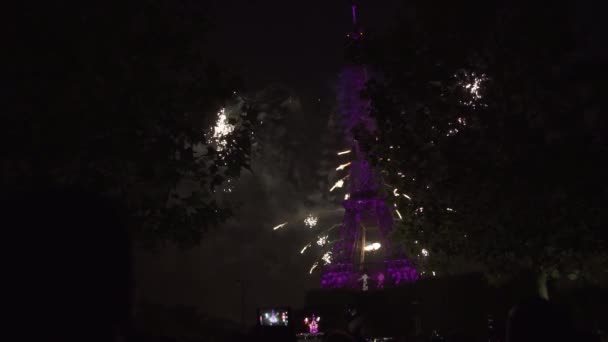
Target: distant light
[[310, 221], [304, 249], [322, 240], [473, 87], [433, 273], [338, 184], [472, 84], [326, 258], [221, 130], [449, 209], [451, 132], [343, 166], [372, 247], [280, 226]]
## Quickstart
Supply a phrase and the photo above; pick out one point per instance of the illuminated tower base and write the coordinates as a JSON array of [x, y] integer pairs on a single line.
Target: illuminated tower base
[[357, 267]]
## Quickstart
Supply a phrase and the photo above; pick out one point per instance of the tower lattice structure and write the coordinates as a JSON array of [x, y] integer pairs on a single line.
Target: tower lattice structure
[[366, 211]]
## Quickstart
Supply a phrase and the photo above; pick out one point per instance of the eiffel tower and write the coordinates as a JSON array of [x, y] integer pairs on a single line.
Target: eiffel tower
[[357, 263]]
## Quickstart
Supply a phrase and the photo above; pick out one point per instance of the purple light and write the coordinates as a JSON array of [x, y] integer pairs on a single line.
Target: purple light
[[391, 273], [337, 276], [312, 324], [364, 203], [401, 272]]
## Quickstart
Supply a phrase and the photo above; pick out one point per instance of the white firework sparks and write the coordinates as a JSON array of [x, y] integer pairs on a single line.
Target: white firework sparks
[[322, 240], [373, 247], [406, 196], [425, 252], [313, 267], [343, 152], [338, 184], [310, 221], [472, 83], [343, 166], [474, 86], [346, 196], [396, 192], [326, 258], [451, 132], [304, 249], [221, 130], [399, 214], [279, 226]]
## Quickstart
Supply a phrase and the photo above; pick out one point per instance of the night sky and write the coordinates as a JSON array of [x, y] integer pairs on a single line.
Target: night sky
[[94, 88], [294, 44], [299, 46]]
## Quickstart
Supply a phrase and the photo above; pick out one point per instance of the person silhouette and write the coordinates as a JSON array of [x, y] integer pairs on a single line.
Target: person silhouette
[[380, 278], [364, 279]]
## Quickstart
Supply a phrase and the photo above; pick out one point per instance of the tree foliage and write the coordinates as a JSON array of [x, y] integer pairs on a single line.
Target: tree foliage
[[116, 98], [491, 121]]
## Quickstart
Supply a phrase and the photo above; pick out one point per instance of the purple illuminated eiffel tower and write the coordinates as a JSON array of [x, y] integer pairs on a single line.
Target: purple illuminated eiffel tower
[[367, 217]]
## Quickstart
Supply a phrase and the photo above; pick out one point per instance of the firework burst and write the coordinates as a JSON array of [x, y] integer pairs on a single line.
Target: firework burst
[[311, 221]]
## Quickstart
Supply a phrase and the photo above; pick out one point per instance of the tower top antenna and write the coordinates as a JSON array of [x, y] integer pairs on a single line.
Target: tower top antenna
[[356, 33]]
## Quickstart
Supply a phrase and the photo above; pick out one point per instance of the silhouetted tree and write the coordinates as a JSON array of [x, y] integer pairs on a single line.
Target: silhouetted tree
[[492, 122], [116, 98]]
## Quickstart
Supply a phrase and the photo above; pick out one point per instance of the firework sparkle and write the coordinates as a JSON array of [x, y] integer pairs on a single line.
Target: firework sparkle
[[311, 221]]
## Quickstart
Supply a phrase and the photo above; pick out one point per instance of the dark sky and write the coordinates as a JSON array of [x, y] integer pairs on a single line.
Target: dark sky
[[299, 43], [296, 43]]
